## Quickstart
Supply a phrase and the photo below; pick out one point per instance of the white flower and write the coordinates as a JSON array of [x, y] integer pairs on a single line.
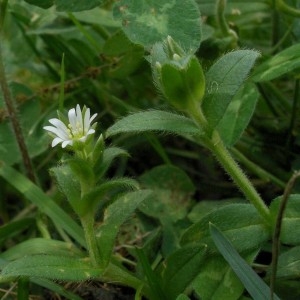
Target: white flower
[[78, 129]]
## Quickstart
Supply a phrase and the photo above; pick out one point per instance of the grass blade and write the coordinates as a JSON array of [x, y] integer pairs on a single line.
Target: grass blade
[[44, 203], [256, 287]]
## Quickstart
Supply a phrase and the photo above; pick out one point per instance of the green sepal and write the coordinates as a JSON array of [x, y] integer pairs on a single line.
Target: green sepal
[[183, 87], [178, 74], [173, 48]]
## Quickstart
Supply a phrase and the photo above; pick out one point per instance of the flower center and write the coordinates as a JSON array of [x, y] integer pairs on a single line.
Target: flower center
[[77, 132]]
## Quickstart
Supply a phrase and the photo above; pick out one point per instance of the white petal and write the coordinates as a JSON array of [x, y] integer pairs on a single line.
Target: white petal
[[59, 124], [89, 123], [60, 133], [66, 143], [56, 141], [79, 116], [72, 118]]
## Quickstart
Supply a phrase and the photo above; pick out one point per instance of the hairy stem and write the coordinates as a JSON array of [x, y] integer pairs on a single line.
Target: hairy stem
[[12, 112], [218, 148], [215, 144], [256, 169]]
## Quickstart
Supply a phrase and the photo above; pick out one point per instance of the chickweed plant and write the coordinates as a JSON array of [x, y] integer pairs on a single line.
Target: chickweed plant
[[149, 149]]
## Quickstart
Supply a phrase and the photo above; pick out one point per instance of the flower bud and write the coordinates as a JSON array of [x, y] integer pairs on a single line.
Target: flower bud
[[178, 75]]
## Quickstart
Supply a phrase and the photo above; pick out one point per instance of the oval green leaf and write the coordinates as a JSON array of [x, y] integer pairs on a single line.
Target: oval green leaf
[[238, 114], [149, 22], [223, 80], [114, 216], [54, 267], [155, 120], [240, 222]]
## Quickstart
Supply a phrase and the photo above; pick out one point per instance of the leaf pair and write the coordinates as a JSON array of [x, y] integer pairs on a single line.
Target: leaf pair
[[228, 105]]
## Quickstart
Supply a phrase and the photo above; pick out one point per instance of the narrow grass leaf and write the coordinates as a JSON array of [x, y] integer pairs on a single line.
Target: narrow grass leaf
[[45, 204], [13, 228], [255, 286], [56, 288]]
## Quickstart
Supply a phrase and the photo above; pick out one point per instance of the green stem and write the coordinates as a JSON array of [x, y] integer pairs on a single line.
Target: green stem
[[263, 174], [215, 144], [90, 237]]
